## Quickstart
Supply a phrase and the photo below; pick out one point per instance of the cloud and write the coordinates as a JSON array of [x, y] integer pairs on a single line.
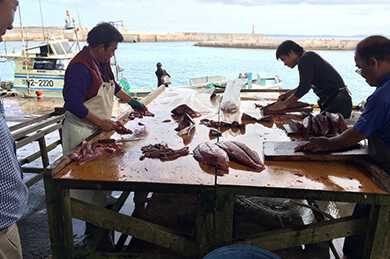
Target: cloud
[[296, 2]]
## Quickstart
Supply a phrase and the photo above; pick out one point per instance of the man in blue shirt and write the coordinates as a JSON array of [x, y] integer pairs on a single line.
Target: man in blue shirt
[[13, 192], [372, 58]]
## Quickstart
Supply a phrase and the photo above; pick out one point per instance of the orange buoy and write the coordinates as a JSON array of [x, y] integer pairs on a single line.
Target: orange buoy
[[39, 93]]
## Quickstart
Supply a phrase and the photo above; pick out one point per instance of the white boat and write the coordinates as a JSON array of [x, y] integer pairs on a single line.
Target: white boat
[[204, 81], [41, 67], [261, 82]]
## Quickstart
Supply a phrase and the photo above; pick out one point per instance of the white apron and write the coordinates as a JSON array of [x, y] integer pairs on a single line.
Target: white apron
[[75, 130]]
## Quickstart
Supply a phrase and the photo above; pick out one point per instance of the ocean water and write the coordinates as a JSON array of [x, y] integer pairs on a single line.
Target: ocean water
[[183, 61]]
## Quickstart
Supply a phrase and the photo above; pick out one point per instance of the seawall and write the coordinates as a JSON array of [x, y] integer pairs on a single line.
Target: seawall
[[308, 44], [36, 33], [227, 40]]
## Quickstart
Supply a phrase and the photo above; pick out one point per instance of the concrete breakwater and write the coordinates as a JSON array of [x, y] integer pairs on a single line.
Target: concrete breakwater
[[308, 44], [227, 40], [36, 33]]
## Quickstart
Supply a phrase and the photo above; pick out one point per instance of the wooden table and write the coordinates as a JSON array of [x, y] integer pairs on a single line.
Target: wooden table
[[329, 181]]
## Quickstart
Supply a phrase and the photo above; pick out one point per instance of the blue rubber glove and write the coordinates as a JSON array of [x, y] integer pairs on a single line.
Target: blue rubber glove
[[137, 105]]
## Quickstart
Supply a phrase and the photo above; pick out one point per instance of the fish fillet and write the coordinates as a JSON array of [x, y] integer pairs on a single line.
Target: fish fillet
[[242, 153], [210, 154]]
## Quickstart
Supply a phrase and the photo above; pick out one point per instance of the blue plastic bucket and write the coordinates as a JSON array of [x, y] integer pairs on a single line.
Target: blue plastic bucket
[[240, 252]]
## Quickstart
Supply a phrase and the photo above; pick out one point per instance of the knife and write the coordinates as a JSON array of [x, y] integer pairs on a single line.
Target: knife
[[111, 140]]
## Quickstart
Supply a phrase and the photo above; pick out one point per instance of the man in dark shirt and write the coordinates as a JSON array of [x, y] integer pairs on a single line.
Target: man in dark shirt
[[316, 73]]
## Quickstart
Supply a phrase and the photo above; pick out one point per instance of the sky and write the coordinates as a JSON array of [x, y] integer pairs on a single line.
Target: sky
[[291, 17]]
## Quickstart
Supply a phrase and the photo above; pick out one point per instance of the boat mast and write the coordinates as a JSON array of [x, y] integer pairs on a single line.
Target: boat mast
[[24, 51], [43, 26], [78, 15], [116, 24]]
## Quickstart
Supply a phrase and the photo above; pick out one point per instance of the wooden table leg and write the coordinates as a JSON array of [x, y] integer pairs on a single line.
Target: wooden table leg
[[224, 211], [59, 220], [204, 231], [377, 242]]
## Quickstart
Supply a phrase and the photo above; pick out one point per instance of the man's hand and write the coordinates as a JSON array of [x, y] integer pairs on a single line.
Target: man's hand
[[318, 144], [283, 97], [137, 105], [286, 95], [277, 106], [107, 125]]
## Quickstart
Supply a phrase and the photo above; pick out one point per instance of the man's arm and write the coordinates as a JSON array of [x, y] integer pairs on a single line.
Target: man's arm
[[104, 124], [134, 103], [281, 105], [287, 94], [348, 138], [123, 96]]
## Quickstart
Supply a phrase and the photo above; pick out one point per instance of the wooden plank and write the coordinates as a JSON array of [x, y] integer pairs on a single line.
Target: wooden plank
[[36, 127], [284, 150], [378, 174], [29, 122], [37, 135], [381, 238], [205, 227], [34, 180], [137, 228], [307, 109], [99, 234], [43, 149], [59, 220], [307, 234]]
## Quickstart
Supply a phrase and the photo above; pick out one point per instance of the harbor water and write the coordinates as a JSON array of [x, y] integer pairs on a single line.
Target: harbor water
[[183, 61]]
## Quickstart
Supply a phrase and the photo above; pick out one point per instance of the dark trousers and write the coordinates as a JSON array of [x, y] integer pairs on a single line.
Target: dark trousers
[[353, 245], [341, 103]]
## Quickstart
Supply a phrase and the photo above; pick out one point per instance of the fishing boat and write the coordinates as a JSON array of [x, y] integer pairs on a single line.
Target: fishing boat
[[41, 67]]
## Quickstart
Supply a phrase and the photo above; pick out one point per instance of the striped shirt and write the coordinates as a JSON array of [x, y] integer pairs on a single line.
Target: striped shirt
[[13, 192]]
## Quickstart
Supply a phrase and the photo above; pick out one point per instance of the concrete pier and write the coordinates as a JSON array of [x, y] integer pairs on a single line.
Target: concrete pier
[[308, 44]]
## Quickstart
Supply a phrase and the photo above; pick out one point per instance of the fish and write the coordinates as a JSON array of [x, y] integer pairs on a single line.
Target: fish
[[242, 153], [185, 109], [185, 122], [212, 155]]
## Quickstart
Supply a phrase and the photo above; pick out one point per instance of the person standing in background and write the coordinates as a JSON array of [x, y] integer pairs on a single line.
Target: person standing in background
[[13, 191], [160, 72], [315, 73]]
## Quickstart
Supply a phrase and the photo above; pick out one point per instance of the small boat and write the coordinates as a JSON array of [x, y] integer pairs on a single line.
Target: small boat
[[262, 81], [41, 67], [207, 80]]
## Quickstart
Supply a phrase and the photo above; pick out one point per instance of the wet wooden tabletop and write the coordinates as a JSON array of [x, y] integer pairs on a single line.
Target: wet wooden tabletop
[[325, 175]]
